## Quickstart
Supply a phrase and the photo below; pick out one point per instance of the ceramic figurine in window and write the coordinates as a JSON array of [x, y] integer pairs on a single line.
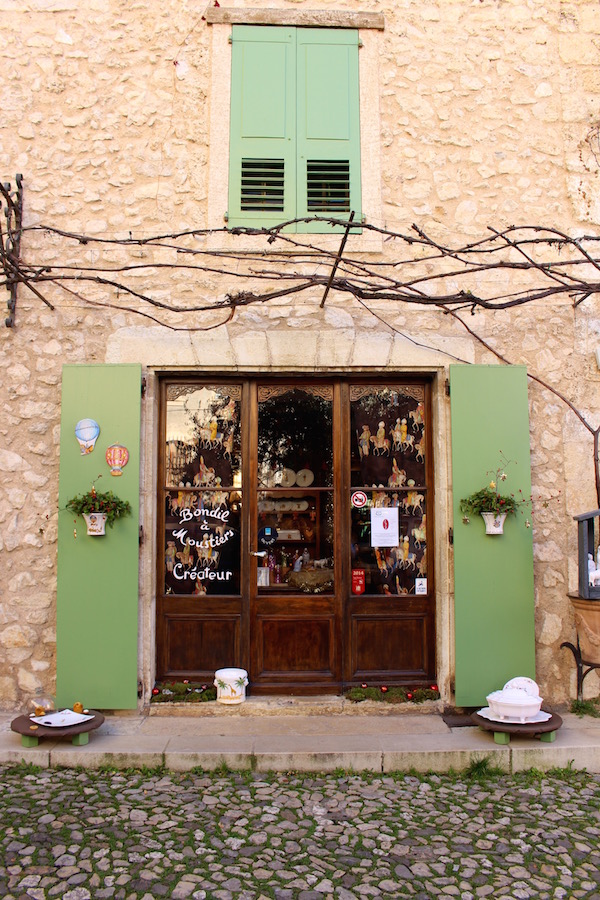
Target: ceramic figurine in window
[[405, 548], [396, 433], [364, 441], [420, 448], [420, 533], [417, 416], [185, 555], [308, 532], [398, 476], [228, 446], [199, 476], [170, 555], [214, 427], [219, 497], [381, 444], [228, 414]]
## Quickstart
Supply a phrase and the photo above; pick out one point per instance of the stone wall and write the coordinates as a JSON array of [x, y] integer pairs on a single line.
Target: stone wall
[[486, 114]]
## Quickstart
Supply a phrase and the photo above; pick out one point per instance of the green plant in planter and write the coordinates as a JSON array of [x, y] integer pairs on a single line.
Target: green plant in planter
[[94, 501], [490, 499]]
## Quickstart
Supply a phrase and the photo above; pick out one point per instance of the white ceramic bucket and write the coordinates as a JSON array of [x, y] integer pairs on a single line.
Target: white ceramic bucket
[[231, 685]]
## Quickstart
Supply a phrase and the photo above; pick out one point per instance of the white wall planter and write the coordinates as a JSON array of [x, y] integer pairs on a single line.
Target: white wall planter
[[96, 523], [494, 522]]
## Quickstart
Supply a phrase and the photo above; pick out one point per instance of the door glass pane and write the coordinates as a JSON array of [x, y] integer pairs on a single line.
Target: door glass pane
[[295, 437], [203, 490], [202, 542], [203, 436], [295, 514], [387, 438], [388, 498], [389, 551]]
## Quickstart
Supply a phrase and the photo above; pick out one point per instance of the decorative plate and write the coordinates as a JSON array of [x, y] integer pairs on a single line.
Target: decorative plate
[[285, 478], [522, 683], [61, 719], [304, 478]]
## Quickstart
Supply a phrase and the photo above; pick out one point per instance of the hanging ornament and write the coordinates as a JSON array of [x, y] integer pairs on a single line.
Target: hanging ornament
[[117, 457], [86, 432]]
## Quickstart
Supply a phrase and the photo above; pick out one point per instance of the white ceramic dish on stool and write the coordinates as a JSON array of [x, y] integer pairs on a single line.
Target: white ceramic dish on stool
[[514, 703]]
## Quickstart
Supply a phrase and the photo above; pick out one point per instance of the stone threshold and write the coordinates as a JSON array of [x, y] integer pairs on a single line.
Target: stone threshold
[[294, 706]]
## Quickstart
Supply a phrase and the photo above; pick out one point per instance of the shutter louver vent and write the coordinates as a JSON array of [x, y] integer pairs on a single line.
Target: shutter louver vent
[[328, 185], [262, 185]]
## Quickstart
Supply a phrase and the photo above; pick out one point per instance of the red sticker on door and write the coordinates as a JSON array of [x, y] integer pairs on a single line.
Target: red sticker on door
[[358, 581]]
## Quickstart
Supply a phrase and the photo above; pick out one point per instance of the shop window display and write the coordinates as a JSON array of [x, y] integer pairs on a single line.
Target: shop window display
[[388, 472], [203, 496]]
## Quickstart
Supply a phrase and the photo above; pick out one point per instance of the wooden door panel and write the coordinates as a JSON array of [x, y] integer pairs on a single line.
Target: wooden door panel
[[291, 646], [199, 645], [384, 646]]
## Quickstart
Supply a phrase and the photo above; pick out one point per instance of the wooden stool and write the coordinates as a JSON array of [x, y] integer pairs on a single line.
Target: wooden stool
[[31, 732], [546, 731]]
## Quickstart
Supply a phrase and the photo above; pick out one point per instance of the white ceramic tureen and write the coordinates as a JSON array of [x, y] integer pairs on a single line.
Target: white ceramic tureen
[[519, 699]]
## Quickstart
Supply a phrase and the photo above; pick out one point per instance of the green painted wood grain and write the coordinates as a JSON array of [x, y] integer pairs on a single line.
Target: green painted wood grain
[[493, 575], [97, 590]]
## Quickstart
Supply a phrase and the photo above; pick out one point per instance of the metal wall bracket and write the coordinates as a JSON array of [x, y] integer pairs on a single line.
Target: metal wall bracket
[[10, 243], [581, 664]]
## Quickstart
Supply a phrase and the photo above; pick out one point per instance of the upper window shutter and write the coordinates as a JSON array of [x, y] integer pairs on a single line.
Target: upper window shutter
[[328, 125], [262, 129]]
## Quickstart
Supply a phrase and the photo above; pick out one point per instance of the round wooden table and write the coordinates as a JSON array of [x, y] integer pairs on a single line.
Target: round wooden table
[[546, 731], [31, 732]]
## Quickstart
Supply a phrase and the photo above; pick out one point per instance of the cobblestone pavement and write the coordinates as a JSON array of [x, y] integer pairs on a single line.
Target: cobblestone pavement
[[95, 834]]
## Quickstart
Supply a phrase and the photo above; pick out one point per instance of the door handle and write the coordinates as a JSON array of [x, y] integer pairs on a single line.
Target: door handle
[[261, 553]]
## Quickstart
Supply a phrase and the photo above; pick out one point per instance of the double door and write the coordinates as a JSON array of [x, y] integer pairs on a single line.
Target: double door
[[295, 533]]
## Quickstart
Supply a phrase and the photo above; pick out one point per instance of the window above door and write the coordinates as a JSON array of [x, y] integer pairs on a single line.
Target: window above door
[[293, 109], [295, 126]]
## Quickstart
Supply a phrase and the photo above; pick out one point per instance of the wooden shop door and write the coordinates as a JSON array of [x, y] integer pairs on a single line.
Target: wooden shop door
[[295, 585], [268, 558]]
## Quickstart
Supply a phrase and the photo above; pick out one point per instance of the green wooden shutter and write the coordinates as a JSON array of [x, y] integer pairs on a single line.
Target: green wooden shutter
[[97, 591], [493, 576], [328, 129], [262, 176]]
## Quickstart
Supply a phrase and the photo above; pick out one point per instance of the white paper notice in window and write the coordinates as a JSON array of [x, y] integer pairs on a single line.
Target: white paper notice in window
[[384, 526]]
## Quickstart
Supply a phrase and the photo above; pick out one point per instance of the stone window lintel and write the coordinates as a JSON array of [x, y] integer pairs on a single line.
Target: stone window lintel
[[307, 17]]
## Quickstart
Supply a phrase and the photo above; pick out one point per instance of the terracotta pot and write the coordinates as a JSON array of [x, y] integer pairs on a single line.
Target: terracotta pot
[[587, 622], [494, 522]]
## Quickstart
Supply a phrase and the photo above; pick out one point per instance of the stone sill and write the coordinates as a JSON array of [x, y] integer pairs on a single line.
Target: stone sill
[[295, 706]]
